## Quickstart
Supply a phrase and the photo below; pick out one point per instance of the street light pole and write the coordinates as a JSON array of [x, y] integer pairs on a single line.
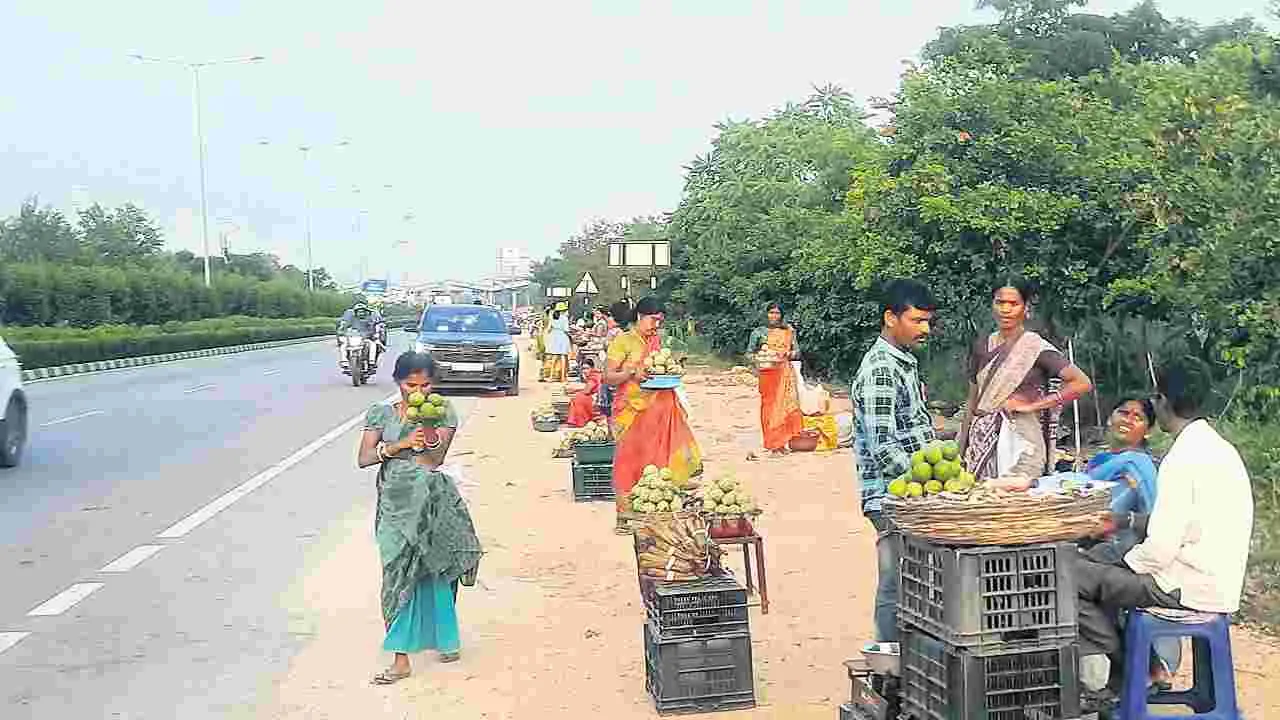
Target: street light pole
[[306, 194], [195, 67], [204, 196]]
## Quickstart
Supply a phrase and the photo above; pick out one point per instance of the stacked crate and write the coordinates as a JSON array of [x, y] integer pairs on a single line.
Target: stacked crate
[[697, 646], [593, 472], [987, 633]]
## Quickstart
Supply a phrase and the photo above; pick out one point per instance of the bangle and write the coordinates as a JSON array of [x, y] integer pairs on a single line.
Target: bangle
[[382, 452]]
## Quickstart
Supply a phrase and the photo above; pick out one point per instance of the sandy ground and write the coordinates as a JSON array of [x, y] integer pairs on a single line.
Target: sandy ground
[[553, 629]]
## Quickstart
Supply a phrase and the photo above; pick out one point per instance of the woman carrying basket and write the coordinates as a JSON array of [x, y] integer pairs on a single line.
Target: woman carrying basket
[[649, 426], [1005, 430], [780, 416]]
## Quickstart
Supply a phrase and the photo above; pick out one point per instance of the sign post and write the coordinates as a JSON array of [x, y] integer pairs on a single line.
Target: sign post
[[649, 254]]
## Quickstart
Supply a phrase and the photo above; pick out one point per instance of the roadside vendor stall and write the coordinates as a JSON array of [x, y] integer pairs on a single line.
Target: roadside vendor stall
[[987, 600]]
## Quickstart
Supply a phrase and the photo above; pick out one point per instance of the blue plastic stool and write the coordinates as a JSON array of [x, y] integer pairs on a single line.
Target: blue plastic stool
[[1213, 692]]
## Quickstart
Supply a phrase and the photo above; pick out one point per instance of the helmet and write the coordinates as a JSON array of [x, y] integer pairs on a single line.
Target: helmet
[[360, 308]]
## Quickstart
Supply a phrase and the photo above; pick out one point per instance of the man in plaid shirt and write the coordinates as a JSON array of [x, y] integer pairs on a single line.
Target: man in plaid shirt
[[890, 423]]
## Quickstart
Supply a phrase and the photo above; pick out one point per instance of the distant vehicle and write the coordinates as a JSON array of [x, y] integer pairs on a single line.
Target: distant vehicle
[[441, 300], [513, 325], [471, 346], [13, 408]]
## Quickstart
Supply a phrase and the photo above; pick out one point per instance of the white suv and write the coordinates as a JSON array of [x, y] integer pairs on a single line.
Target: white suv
[[13, 408]]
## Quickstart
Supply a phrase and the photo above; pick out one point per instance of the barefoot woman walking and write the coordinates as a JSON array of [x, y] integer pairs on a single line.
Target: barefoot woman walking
[[424, 532]]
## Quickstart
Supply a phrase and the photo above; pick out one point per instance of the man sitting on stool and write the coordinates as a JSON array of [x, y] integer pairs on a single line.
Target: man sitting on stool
[[1194, 544]]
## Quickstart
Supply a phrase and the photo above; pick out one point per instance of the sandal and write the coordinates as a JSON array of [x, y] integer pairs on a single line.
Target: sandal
[[448, 657], [389, 677]]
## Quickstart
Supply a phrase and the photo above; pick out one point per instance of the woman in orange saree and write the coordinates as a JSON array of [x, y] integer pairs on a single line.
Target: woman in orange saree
[[649, 426], [780, 416]]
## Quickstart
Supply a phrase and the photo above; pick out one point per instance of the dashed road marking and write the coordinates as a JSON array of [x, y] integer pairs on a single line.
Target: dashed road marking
[[65, 600], [9, 639], [73, 418], [198, 388], [131, 559], [217, 505]]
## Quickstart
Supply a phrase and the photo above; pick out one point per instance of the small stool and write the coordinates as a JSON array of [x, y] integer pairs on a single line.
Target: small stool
[[747, 541], [1213, 692]]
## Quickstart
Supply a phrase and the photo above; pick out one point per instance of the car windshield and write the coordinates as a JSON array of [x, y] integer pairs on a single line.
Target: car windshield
[[463, 319]]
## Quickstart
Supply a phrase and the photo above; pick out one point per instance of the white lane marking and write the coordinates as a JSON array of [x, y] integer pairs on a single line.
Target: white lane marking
[[197, 518], [9, 639], [65, 600], [197, 389], [73, 418], [131, 559], [271, 372]]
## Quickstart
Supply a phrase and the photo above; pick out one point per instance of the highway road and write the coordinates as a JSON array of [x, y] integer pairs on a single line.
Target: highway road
[[157, 523]]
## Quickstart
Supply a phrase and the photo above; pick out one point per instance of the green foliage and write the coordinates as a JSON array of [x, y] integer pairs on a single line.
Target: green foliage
[[47, 347], [110, 267]]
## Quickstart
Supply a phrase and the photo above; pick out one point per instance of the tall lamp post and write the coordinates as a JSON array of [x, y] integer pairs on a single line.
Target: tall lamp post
[[306, 175], [195, 68]]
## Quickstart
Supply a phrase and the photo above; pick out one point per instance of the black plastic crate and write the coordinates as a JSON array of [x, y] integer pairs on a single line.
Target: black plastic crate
[[708, 606], [592, 482], [697, 675], [942, 682], [978, 597]]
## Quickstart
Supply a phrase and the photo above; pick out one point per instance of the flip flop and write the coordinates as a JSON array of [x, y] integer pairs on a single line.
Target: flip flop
[[448, 657], [388, 677]]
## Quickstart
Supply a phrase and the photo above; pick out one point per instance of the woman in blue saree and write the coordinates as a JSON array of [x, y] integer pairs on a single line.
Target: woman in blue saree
[[1128, 463], [425, 535]]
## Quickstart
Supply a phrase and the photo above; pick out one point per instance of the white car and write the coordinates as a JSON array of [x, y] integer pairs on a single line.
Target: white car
[[13, 408]]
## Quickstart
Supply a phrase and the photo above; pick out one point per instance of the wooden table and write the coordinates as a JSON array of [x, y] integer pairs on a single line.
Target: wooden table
[[747, 542]]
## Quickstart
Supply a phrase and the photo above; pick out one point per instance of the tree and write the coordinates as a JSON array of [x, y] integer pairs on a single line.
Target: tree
[[38, 235], [121, 236]]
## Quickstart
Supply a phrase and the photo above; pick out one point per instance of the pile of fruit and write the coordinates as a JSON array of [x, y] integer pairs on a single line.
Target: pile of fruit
[[596, 431], [656, 493], [545, 413], [662, 363], [429, 410], [727, 497], [674, 548], [935, 469], [766, 357]]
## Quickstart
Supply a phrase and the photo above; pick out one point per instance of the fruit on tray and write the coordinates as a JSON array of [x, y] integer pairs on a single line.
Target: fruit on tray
[[935, 469], [727, 496], [655, 493], [662, 363], [596, 431]]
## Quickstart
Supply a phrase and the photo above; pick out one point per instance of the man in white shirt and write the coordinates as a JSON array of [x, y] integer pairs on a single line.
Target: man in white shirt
[[1196, 539]]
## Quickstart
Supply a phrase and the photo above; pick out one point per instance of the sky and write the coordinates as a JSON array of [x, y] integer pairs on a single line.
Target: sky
[[440, 132]]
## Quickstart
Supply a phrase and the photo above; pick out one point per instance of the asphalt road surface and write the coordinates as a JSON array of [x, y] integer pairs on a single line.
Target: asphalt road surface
[[157, 521]]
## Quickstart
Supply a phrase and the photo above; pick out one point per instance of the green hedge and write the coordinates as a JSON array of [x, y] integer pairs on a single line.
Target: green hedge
[[86, 296], [48, 347]]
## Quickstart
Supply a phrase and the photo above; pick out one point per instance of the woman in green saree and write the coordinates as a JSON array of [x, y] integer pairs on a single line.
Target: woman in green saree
[[425, 536]]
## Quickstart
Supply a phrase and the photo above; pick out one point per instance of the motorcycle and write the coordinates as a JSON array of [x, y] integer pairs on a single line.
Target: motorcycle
[[357, 356]]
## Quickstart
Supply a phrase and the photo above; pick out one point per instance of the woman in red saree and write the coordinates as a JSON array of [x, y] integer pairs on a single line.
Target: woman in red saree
[[649, 426], [780, 416], [583, 406]]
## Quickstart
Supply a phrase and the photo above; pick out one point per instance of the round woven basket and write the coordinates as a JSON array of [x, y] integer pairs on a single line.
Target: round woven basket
[[545, 426], [999, 518]]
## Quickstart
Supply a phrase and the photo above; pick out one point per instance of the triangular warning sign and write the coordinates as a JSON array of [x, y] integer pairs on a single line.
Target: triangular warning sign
[[587, 286]]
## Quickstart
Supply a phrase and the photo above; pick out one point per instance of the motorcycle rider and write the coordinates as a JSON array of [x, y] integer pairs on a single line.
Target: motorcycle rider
[[370, 324]]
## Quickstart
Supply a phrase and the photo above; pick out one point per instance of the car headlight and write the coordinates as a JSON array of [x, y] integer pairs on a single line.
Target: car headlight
[[512, 352]]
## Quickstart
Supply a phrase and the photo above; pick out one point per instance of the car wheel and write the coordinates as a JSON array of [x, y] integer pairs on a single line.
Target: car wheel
[[13, 433], [514, 390]]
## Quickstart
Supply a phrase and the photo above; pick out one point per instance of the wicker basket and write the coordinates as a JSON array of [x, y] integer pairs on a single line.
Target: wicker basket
[[546, 425], [999, 518]]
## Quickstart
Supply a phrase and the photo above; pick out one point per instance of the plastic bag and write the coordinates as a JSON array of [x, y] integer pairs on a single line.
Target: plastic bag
[[814, 399]]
